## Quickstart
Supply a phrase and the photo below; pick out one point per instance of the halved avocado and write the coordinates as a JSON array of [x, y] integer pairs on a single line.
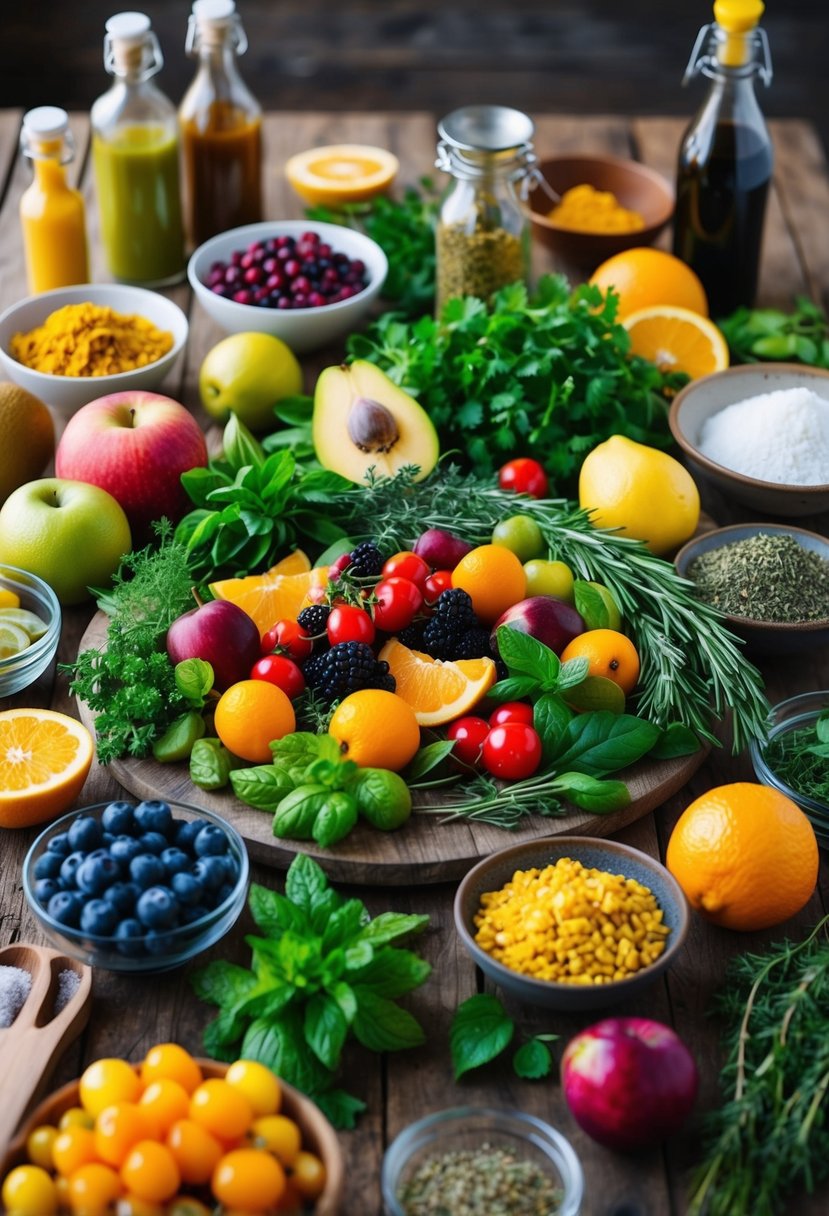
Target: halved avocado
[[362, 420]]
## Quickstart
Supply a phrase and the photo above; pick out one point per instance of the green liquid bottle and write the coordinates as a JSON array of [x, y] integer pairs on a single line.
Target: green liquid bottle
[[135, 154]]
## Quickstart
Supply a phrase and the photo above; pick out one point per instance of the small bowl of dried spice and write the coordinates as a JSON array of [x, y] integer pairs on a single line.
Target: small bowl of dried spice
[[770, 580], [74, 344], [479, 1161], [795, 757], [571, 922]]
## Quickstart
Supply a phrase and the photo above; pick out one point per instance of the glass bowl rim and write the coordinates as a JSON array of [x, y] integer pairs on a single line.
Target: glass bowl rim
[[811, 704], [14, 663]]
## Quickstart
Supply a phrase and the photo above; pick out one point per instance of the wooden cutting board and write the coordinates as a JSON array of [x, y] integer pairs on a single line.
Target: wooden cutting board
[[426, 850]]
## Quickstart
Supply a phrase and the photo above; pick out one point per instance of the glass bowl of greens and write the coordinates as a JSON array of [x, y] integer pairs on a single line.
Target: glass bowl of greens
[[795, 759]]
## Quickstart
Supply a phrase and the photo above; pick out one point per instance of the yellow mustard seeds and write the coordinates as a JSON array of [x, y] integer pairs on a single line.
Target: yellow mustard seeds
[[571, 925], [90, 340]]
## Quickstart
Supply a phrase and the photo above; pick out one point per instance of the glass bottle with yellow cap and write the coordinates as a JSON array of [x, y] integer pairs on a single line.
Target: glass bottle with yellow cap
[[51, 211], [725, 159]]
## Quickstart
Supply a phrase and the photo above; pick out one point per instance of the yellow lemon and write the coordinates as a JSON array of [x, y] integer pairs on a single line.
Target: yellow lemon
[[641, 491]]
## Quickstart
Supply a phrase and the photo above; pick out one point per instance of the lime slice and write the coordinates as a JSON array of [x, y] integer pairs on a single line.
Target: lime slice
[[31, 624], [13, 639], [9, 599]]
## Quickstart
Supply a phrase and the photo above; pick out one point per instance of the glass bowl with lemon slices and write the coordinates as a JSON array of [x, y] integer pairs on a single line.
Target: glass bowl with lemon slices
[[29, 628]]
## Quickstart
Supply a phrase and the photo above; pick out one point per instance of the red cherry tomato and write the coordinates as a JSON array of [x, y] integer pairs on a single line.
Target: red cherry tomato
[[407, 565], [468, 735], [436, 584], [347, 623], [289, 638], [278, 670], [398, 599], [524, 476], [512, 711], [512, 751]]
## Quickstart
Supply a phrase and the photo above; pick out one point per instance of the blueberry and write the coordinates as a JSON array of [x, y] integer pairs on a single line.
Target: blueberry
[[65, 908], [84, 833], [188, 890], [69, 868], [210, 872], [211, 841], [44, 889], [99, 918], [107, 838], [224, 892], [147, 870], [195, 912], [119, 819], [157, 908], [158, 942], [153, 842], [124, 848], [129, 936], [154, 816], [59, 844], [97, 873], [187, 833], [232, 868], [122, 896], [48, 865], [175, 861]]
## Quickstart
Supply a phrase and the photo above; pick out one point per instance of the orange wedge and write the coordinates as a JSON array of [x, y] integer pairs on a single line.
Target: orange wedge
[[277, 594], [341, 173], [438, 691], [44, 759], [677, 340]]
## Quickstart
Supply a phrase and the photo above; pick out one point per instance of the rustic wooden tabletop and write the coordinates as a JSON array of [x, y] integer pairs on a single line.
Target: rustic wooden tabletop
[[129, 1015]]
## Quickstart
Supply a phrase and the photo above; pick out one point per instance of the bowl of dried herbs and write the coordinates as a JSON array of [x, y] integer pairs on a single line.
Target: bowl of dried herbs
[[770, 580], [795, 757]]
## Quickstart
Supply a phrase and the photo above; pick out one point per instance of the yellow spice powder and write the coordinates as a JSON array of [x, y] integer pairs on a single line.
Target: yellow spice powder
[[571, 924], [89, 340], [585, 209]]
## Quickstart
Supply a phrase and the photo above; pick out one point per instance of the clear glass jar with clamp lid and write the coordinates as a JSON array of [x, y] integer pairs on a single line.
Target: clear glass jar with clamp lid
[[483, 230]]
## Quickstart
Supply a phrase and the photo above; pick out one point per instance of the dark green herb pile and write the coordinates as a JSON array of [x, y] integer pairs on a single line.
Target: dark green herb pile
[[767, 577], [800, 758]]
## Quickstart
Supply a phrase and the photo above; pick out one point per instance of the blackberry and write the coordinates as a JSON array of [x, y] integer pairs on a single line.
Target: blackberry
[[366, 561], [412, 635], [453, 625], [348, 667], [455, 605], [314, 619], [474, 644], [311, 670]]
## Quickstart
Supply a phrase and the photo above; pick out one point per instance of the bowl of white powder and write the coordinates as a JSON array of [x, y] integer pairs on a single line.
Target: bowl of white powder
[[760, 433]]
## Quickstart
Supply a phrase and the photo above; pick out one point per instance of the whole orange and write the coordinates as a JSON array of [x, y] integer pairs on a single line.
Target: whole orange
[[610, 654], [745, 856], [375, 728], [644, 277], [250, 715], [494, 579]]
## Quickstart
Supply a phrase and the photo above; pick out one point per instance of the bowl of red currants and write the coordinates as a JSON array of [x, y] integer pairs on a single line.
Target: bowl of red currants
[[307, 283], [136, 887]]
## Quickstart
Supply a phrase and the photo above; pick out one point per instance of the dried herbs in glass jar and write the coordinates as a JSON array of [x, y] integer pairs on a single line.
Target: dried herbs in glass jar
[[766, 577]]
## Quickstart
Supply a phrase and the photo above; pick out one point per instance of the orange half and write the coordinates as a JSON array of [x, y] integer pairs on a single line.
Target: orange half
[[677, 340], [341, 173], [438, 691], [279, 593], [44, 759]]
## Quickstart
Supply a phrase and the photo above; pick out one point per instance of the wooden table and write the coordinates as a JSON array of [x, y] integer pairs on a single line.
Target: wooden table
[[130, 1015]]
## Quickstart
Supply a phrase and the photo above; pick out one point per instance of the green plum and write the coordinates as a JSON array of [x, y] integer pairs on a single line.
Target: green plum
[[549, 578], [521, 534]]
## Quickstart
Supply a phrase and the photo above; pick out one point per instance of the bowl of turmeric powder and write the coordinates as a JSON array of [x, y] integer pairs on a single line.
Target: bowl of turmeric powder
[[75, 344], [587, 208], [571, 922]]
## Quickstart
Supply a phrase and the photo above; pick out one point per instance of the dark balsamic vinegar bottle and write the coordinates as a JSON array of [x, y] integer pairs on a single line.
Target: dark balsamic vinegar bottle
[[725, 159]]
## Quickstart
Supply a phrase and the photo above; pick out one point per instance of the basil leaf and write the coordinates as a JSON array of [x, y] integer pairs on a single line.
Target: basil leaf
[[340, 1108], [262, 786], [240, 447], [573, 672], [381, 1025], [335, 819], [527, 656], [275, 913], [295, 752], [514, 688], [325, 1029], [592, 793], [590, 605], [305, 882], [210, 764], [675, 740], [550, 719], [222, 1033], [428, 758], [481, 1029], [279, 1044], [345, 998], [345, 925], [221, 983], [297, 812], [596, 693], [604, 742], [389, 926], [533, 1060], [194, 679], [200, 483], [393, 972]]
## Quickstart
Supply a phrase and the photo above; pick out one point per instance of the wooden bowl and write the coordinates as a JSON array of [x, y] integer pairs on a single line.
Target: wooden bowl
[[763, 637], [635, 186], [694, 404], [318, 1136]]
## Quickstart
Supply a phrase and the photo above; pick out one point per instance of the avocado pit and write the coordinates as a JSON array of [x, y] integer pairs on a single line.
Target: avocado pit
[[371, 426]]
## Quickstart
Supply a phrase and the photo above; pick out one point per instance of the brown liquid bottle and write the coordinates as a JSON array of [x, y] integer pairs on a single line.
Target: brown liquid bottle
[[221, 125], [725, 160]]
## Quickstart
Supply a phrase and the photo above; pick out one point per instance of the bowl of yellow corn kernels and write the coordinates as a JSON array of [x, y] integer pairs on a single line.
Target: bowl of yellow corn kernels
[[571, 922]]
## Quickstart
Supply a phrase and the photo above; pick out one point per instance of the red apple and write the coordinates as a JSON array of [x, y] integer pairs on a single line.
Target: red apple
[[222, 634], [629, 1082], [550, 620], [135, 445]]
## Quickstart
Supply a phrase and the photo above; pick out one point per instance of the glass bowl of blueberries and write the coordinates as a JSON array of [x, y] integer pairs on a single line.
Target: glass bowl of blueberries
[[136, 887]]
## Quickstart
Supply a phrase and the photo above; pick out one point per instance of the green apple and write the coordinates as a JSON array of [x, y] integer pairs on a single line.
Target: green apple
[[549, 578], [248, 373], [71, 534]]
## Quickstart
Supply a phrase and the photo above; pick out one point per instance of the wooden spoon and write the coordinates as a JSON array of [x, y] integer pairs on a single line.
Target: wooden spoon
[[31, 1047]]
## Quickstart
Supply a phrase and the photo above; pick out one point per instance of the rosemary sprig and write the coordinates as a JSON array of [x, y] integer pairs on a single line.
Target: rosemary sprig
[[691, 665], [772, 1134]]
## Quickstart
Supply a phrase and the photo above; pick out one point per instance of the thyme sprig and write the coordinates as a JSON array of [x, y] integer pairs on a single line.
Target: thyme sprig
[[772, 1133]]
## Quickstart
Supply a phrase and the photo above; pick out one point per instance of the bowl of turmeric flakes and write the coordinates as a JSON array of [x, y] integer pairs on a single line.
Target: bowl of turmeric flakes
[[75, 344], [588, 208]]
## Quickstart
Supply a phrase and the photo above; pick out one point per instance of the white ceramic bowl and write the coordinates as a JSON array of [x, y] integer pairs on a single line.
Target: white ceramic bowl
[[303, 329], [66, 394]]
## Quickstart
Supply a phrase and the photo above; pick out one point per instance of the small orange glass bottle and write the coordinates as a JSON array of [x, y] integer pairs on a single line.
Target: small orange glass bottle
[[51, 211], [221, 125]]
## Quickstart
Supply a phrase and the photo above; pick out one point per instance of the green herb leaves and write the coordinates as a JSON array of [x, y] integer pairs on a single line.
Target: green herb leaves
[[482, 1029], [801, 336], [321, 971]]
